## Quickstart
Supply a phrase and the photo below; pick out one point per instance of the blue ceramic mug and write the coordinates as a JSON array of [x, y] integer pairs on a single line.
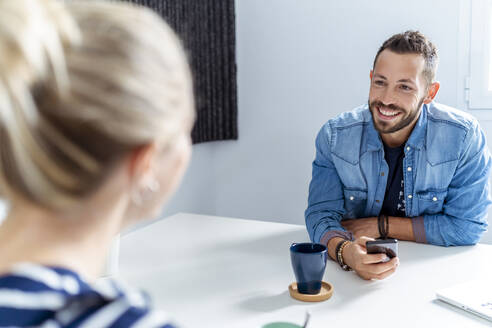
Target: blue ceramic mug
[[309, 263]]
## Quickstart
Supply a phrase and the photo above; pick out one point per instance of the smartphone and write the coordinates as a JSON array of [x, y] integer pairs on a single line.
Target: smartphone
[[387, 246]]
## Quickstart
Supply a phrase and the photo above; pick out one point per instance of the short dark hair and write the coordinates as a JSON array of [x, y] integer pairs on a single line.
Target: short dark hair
[[413, 42]]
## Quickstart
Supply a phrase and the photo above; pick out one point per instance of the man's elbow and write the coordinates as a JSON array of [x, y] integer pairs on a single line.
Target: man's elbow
[[469, 236], [475, 236]]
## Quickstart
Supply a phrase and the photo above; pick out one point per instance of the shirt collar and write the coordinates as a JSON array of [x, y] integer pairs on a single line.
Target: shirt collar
[[417, 137]]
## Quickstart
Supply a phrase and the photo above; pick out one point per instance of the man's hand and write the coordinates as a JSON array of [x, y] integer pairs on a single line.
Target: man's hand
[[368, 266], [367, 227]]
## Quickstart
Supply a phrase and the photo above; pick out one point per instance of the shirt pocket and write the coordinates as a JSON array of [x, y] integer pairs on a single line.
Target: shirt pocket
[[431, 201], [355, 203]]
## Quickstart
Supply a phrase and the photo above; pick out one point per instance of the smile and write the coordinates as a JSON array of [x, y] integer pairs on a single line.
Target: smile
[[387, 114]]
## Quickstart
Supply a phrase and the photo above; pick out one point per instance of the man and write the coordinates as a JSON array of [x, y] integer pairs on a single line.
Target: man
[[401, 166]]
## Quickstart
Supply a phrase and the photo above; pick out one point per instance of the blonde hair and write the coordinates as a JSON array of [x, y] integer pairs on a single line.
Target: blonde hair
[[83, 83]]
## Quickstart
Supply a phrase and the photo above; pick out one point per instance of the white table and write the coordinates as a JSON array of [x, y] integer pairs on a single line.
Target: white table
[[211, 271]]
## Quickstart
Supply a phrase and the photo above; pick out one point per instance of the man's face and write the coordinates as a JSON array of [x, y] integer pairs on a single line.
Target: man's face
[[398, 89]]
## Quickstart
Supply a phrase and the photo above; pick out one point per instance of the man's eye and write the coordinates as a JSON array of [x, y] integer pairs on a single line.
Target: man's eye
[[405, 87], [378, 82]]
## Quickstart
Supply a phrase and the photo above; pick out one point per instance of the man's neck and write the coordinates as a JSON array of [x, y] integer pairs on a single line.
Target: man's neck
[[393, 141], [399, 137]]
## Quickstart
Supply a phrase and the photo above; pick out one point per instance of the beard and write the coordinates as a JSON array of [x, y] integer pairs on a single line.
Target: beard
[[386, 127]]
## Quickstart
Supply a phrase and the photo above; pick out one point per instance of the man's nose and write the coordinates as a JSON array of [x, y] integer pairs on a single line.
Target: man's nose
[[387, 98]]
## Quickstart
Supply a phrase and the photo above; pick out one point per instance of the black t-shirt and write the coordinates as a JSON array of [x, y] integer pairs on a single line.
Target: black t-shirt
[[394, 200]]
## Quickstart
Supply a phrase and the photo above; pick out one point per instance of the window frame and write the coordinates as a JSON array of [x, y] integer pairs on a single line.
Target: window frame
[[477, 84]]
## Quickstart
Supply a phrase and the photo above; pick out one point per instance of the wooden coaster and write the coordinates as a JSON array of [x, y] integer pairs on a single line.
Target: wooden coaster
[[324, 294]]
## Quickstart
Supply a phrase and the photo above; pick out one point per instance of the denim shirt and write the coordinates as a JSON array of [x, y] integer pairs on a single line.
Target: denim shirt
[[446, 174]]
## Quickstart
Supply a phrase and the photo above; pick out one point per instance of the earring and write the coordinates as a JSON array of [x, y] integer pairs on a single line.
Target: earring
[[151, 186]]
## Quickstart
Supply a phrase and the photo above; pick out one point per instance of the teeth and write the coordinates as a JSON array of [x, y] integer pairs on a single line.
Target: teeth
[[385, 113]]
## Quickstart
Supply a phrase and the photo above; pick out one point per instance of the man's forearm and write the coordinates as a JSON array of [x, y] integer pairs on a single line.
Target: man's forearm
[[401, 228], [411, 229], [398, 228]]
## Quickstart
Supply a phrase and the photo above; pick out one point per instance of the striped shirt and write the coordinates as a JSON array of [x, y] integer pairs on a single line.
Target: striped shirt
[[33, 295]]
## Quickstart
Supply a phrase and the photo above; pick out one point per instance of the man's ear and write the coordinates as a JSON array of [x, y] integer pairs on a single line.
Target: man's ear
[[370, 75], [140, 160], [432, 92]]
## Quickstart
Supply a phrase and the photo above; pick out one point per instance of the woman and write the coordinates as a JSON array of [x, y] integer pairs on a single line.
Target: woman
[[95, 113]]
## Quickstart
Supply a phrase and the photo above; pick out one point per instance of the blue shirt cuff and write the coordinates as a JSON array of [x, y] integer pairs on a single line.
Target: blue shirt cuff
[[419, 229], [335, 233]]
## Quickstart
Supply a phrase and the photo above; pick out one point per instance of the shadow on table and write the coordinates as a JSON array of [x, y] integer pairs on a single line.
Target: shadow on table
[[274, 249], [351, 289], [267, 303]]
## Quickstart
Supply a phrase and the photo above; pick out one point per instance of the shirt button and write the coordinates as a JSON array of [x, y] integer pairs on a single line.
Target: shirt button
[[351, 197], [377, 200], [410, 196], [409, 169], [408, 148], [434, 199], [382, 174]]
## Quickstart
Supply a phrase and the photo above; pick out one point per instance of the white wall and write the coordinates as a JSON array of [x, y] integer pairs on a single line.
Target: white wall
[[196, 194], [299, 64]]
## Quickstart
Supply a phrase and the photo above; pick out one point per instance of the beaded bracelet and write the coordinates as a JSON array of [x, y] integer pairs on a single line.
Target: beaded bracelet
[[338, 251]]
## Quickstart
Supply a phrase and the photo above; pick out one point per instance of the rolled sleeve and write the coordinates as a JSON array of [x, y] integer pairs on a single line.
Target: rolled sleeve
[[335, 233], [419, 229], [325, 202], [464, 216]]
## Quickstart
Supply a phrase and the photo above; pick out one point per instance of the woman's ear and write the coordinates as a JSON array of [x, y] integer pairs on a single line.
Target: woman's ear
[[139, 161]]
